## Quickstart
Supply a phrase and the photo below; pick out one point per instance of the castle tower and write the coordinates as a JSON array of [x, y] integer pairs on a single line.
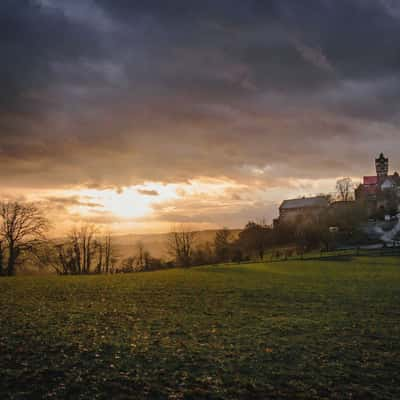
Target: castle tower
[[382, 166]]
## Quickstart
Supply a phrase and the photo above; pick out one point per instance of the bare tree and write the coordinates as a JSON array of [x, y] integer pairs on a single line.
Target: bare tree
[[104, 250], [22, 227], [344, 189], [222, 245], [68, 259], [100, 255], [139, 257], [48, 255], [84, 252], [142, 257], [1, 258], [180, 244], [78, 254], [147, 260], [86, 236], [108, 253]]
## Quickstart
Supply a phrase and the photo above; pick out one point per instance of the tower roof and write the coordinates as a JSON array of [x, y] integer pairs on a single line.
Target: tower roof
[[381, 158]]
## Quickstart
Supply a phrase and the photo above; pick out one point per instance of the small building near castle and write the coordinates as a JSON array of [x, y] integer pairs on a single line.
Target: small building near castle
[[292, 210]]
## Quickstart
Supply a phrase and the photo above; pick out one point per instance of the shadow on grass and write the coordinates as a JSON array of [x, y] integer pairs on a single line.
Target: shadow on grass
[[341, 258]]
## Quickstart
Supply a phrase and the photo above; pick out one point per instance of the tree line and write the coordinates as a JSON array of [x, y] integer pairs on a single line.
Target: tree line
[[86, 250]]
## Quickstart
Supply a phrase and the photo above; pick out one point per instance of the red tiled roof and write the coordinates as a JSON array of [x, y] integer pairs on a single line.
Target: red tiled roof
[[370, 180]]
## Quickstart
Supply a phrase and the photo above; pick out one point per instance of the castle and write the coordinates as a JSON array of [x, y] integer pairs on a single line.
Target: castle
[[380, 193]]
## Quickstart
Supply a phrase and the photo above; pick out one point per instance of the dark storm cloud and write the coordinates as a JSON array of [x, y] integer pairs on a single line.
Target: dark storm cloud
[[33, 39], [115, 92], [358, 36]]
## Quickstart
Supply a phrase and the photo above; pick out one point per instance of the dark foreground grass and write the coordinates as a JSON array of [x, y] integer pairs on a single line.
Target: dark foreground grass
[[312, 329]]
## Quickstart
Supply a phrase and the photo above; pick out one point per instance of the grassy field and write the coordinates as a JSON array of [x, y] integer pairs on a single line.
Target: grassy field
[[311, 329]]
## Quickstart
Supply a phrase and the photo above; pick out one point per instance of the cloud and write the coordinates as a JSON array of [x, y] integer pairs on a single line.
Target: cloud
[[232, 215], [146, 192], [314, 56], [71, 201], [111, 94]]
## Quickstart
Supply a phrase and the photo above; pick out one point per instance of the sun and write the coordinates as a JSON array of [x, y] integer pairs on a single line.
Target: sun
[[141, 204], [127, 203]]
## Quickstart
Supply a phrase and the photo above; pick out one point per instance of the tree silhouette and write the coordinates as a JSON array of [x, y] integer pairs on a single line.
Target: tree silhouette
[[23, 227], [180, 244], [344, 189]]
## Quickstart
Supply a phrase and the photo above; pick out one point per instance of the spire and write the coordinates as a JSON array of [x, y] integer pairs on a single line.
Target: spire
[[382, 166]]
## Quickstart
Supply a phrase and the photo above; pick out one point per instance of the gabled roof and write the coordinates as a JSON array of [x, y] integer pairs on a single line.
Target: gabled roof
[[305, 202], [370, 180]]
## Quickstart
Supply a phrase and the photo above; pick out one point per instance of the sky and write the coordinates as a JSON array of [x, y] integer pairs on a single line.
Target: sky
[[140, 115]]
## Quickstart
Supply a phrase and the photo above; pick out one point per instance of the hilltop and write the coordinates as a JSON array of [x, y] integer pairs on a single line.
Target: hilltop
[[156, 243]]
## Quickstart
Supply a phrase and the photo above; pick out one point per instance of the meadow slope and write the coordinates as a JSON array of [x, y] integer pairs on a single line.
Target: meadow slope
[[311, 329]]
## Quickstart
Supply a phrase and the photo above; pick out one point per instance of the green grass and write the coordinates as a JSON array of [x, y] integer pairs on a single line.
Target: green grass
[[311, 329]]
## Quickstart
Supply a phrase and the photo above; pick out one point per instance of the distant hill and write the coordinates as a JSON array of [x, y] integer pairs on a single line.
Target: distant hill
[[156, 243]]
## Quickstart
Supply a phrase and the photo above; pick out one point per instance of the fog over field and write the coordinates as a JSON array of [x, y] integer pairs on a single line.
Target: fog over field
[[156, 244]]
